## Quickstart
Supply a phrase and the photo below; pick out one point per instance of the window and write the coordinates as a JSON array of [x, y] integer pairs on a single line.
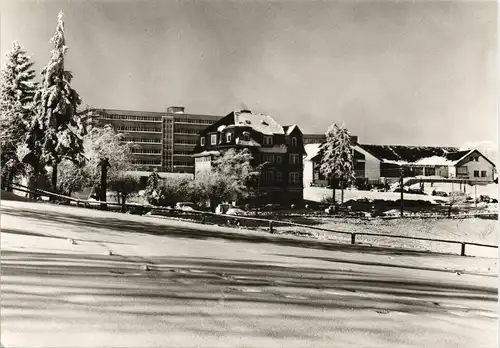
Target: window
[[228, 137], [483, 173], [294, 158], [279, 159], [268, 140], [269, 158], [213, 139], [270, 176], [294, 178], [476, 173], [202, 141], [294, 141], [279, 176], [246, 136], [462, 170], [476, 159]]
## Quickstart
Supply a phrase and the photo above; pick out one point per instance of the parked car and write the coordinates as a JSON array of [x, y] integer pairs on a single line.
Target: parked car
[[270, 207], [222, 208], [236, 211], [439, 193], [484, 198], [331, 209], [186, 206]]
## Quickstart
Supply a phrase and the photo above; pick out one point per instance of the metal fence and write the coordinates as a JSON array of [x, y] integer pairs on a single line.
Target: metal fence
[[230, 220]]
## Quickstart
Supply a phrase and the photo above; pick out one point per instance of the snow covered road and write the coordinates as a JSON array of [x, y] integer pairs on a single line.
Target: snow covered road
[[76, 278]]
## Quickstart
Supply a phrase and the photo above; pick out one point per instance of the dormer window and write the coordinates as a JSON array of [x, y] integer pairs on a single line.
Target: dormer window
[[202, 141], [294, 141], [246, 136], [268, 140], [213, 139], [228, 137]]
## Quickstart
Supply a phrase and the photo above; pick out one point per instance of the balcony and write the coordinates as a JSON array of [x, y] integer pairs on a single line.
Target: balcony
[[146, 153]]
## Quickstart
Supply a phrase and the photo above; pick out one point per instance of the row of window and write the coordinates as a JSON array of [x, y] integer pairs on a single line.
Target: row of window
[[268, 140], [203, 159], [192, 120], [186, 131], [294, 158], [138, 129], [130, 117], [293, 177], [146, 162], [141, 140], [185, 141], [146, 151], [183, 164]]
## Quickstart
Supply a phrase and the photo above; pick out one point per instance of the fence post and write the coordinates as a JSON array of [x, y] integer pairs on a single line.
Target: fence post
[[270, 227], [353, 238], [401, 186], [203, 219], [462, 251]]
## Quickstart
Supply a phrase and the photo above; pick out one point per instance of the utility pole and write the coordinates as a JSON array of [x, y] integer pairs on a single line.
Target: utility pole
[[104, 164], [401, 186], [475, 196]]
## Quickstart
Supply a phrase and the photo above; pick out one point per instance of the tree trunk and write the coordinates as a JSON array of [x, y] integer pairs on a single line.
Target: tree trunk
[[124, 198], [54, 177], [342, 192], [333, 188], [10, 180], [4, 181]]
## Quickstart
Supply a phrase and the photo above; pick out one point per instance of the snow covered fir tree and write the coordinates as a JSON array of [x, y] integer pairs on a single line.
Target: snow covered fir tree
[[336, 160], [17, 90], [56, 132]]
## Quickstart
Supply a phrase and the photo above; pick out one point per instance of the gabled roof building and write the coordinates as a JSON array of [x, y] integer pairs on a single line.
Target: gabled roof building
[[383, 163], [279, 149]]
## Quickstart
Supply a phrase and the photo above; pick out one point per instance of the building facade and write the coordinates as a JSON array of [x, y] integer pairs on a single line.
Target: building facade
[[380, 164], [277, 149], [162, 141]]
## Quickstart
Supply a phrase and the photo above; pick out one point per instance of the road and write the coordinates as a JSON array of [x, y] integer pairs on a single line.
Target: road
[[74, 277]]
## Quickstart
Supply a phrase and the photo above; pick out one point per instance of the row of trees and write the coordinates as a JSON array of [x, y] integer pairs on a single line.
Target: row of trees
[[41, 128], [39, 122], [231, 178]]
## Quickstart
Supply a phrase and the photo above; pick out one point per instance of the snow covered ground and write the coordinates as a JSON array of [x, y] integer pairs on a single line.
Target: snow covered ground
[[317, 193], [76, 278]]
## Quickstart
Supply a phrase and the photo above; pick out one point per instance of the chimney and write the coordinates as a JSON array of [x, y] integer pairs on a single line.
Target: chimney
[[354, 139], [175, 109], [246, 111]]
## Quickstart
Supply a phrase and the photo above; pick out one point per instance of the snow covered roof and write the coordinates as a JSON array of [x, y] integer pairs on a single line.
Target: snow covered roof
[[206, 153], [312, 151], [251, 142], [289, 129], [398, 154], [264, 124]]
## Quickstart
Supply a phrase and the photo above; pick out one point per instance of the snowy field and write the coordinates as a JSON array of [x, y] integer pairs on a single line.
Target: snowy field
[[76, 278], [316, 194], [474, 230]]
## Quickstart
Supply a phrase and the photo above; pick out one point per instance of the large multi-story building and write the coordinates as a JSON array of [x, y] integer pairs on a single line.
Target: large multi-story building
[[277, 149], [163, 141]]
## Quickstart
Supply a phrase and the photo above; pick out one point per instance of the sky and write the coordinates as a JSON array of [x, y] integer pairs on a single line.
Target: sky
[[405, 72]]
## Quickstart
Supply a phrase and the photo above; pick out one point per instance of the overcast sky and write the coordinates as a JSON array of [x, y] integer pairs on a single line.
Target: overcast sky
[[416, 73]]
